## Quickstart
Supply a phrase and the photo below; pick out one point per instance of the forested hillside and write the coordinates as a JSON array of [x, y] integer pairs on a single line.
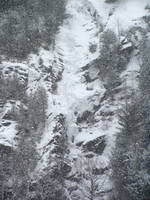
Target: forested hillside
[[131, 156], [74, 100], [27, 25]]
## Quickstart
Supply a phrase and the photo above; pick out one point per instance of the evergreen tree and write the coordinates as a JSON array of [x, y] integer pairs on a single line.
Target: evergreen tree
[[145, 67], [120, 158], [52, 184]]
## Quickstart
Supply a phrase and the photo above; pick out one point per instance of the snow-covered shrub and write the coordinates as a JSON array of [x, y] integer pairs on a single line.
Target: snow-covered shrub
[[11, 88], [112, 60], [112, 56], [32, 114]]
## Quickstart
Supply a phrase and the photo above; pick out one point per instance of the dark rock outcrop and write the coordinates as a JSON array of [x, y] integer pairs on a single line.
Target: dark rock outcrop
[[96, 146], [6, 123], [86, 116]]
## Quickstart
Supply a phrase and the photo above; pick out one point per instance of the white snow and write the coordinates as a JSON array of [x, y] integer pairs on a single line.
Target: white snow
[[124, 13], [80, 30], [72, 43], [130, 75], [7, 135]]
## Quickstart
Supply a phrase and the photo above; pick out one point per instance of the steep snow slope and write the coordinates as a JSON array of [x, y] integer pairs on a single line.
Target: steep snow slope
[[79, 31], [122, 14], [75, 39]]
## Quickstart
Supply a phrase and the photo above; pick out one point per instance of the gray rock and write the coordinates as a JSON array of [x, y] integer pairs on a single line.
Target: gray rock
[[96, 146]]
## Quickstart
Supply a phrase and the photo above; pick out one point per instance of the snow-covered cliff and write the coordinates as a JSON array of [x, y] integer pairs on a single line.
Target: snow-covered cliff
[[76, 92]]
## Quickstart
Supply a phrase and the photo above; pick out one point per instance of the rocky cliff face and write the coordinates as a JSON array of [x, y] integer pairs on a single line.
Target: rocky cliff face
[[81, 110]]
